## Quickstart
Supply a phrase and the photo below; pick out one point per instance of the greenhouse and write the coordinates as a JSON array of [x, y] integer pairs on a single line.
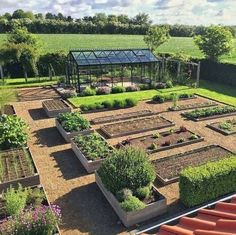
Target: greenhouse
[[96, 68]]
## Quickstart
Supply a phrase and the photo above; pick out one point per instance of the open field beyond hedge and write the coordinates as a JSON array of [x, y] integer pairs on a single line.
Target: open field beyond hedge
[[65, 42]]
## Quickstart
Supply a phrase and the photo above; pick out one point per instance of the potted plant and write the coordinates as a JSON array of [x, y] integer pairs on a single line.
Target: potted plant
[[126, 180], [71, 125]]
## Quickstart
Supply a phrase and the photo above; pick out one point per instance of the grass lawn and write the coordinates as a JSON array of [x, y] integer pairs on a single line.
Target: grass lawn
[[32, 82], [211, 90], [64, 42]]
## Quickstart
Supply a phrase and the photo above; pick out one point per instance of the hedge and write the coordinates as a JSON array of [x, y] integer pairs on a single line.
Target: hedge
[[207, 182], [218, 72]]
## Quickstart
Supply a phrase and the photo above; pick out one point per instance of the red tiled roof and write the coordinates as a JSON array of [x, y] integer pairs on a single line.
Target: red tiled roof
[[218, 221]]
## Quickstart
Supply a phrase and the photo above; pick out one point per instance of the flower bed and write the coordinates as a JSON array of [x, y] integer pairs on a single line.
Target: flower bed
[[8, 110], [120, 117], [17, 166], [227, 127], [91, 150], [54, 107], [163, 140], [192, 106], [210, 113], [71, 125], [169, 168], [27, 211], [135, 126], [170, 97], [125, 179]]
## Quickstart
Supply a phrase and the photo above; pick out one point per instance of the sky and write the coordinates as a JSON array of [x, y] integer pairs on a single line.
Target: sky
[[192, 12]]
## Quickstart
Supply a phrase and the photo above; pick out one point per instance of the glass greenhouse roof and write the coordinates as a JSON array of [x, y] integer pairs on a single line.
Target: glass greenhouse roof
[[109, 57]]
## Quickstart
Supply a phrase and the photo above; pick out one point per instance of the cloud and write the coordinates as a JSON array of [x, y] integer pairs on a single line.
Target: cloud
[[161, 11]]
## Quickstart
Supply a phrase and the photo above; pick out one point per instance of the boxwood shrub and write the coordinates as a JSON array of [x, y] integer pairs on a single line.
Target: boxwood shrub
[[110, 104], [73, 122], [118, 89], [207, 112], [161, 98], [207, 182], [13, 132]]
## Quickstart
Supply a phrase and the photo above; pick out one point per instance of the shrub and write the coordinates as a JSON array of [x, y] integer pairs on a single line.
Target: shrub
[[123, 194], [172, 96], [93, 146], [118, 89], [35, 196], [108, 104], [69, 93], [160, 85], [99, 106], [132, 88], [143, 192], [12, 132], [169, 84], [103, 90], [88, 92], [132, 203], [119, 104], [15, 200], [207, 182], [73, 122], [131, 102], [144, 87], [127, 168]]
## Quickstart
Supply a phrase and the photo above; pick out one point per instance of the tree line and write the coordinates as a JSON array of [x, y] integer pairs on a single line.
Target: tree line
[[100, 23]]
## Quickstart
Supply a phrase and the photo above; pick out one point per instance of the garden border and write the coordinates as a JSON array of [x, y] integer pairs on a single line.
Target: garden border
[[69, 135], [176, 179], [136, 131], [200, 107], [25, 182], [54, 113], [130, 218]]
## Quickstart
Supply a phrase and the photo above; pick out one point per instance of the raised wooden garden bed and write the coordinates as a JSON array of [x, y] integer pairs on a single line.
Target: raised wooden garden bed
[[17, 166], [210, 116], [163, 140], [227, 127], [193, 106], [8, 110], [169, 168], [152, 210], [89, 165], [69, 135], [54, 107], [136, 126], [120, 117]]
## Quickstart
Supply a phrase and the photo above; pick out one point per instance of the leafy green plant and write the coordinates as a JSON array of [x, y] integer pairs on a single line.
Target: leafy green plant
[[118, 89], [156, 135], [181, 140], [212, 111], [15, 200], [131, 102], [73, 122], [193, 137], [153, 146], [93, 146], [88, 92], [13, 132], [127, 168], [143, 192], [207, 182], [119, 104], [161, 98], [35, 196], [226, 125], [123, 194], [132, 203]]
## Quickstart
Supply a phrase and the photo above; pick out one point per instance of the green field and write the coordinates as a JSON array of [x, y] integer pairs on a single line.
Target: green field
[[65, 42]]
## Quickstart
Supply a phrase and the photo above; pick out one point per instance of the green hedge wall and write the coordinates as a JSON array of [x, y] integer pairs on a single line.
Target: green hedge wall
[[218, 72], [207, 182]]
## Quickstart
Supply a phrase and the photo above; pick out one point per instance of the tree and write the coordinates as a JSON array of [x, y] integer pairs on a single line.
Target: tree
[[156, 36], [142, 19], [215, 42]]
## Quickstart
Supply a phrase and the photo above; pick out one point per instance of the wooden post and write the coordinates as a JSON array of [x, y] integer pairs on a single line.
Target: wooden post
[[198, 73], [178, 69]]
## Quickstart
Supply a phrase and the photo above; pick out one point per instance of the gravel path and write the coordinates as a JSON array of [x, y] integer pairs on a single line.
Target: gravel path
[[85, 210]]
